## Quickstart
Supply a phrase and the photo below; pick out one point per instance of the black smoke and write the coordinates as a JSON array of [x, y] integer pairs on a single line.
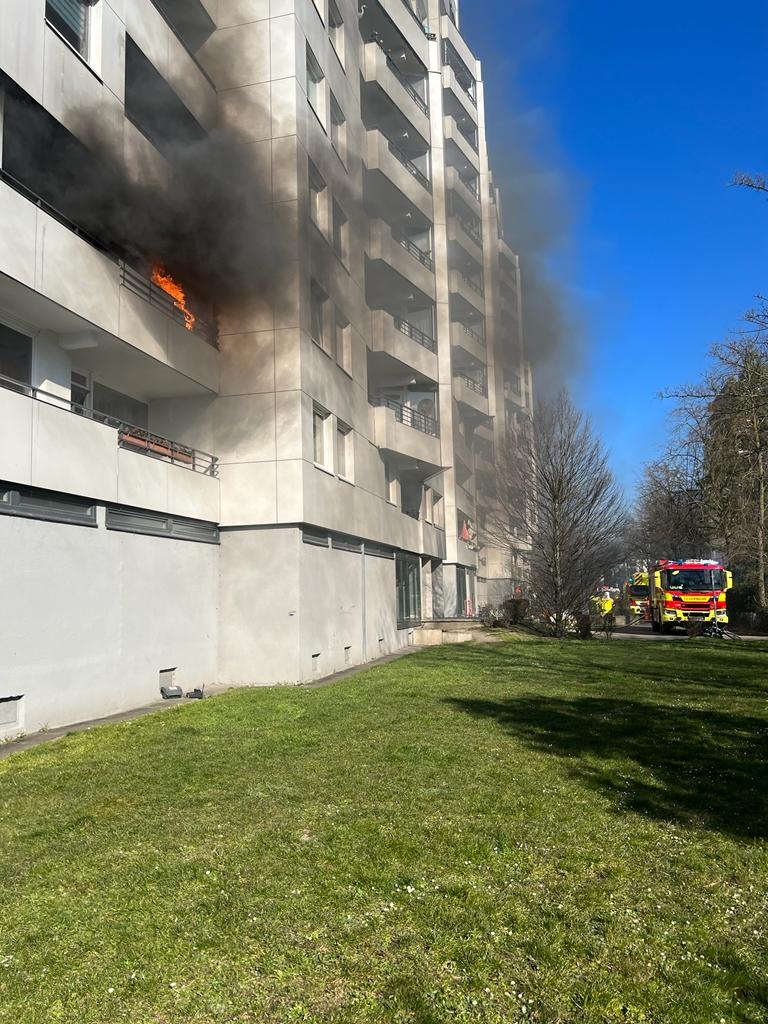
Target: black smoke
[[199, 212]]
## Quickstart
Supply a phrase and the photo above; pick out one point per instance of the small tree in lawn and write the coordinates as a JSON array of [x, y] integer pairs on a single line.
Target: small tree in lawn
[[558, 505]]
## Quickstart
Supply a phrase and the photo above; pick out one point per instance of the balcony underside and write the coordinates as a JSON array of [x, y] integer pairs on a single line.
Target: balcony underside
[[116, 363]]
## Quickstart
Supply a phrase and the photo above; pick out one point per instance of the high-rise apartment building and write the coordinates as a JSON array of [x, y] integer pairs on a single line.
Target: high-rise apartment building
[[278, 481]]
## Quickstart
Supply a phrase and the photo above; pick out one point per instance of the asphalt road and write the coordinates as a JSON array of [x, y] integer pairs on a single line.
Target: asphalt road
[[643, 631]]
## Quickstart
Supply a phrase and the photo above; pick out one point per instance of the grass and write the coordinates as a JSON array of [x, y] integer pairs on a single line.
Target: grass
[[540, 831]]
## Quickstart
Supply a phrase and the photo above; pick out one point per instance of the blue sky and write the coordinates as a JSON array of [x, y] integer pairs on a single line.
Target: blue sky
[[628, 123]]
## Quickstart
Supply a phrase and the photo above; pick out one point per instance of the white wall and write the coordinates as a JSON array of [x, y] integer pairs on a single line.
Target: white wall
[[88, 617]]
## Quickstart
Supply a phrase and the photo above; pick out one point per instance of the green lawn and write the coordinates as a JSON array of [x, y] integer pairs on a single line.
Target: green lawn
[[523, 831]]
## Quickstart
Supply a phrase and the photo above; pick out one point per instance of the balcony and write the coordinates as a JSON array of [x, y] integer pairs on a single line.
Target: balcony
[[468, 341], [399, 340], [54, 275], [390, 256], [467, 295], [385, 17], [471, 392], [461, 96], [385, 85], [156, 296], [465, 154], [466, 190], [393, 182], [457, 54], [50, 442], [405, 432], [465, 243]]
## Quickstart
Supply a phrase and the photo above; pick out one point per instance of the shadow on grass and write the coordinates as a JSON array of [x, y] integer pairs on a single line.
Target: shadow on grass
[[705, 666], [701, 768]]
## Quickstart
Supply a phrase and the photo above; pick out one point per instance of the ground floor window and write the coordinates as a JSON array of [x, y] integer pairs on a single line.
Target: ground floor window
[[408, 586]]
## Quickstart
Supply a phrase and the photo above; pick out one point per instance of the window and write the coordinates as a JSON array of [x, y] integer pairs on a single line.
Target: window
[[343, 343], [344, 453], [320, 423], [336, 30], [15, 358], [318, 199], [137, 521], [315, 90], [438, 511], [340, 233], [408, 589], [338, 129], [120, 407], [318, 312], [34, 503], [71, 20]]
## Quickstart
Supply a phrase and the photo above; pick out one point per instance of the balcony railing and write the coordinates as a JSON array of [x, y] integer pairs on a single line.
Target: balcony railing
[[474, 232], [57, 215], [136, 439], [403, 79], [474, 285], [423, 257], [415, 334], [479, 386], [410, 166], [476, 337], [158, 297], [406, 415]]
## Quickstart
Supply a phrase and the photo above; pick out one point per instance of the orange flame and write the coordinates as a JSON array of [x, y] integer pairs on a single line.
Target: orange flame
[[163, 279]]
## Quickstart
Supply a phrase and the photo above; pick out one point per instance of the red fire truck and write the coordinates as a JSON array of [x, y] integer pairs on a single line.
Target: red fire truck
[[686, 591]]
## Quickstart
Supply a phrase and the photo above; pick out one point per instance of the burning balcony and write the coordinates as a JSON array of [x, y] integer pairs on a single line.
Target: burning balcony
[[164, 293]]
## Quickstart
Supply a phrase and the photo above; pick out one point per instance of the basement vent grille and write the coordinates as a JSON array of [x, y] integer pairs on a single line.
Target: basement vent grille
[[9, 710]]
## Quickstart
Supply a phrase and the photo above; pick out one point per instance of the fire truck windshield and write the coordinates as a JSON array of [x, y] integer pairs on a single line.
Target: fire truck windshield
[[639, 590], [694, 580]]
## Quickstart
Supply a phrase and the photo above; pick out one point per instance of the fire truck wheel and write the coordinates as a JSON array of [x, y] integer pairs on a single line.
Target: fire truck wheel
[[667, 627]]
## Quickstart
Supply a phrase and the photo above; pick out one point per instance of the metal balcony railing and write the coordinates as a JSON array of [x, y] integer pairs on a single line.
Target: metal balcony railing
[[415, 334], [474, 285], [479, 386], [158, 297], [423, 257], [472, 229], [137, 439], [62, 218], [407, 416], [403, 79], [475, 335], [410, 166]]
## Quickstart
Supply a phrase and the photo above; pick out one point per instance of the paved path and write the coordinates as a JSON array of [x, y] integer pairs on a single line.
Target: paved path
[[35, 739]]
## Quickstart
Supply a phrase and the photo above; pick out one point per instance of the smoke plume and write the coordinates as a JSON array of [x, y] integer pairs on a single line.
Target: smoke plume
[[202, 217]]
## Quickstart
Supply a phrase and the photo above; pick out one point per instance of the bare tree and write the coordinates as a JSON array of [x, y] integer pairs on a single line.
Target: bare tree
[[729, 409], [558, 505], [668, 519]]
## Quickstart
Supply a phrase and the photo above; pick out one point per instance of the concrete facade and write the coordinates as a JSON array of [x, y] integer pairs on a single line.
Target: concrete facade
[[350, 403]]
